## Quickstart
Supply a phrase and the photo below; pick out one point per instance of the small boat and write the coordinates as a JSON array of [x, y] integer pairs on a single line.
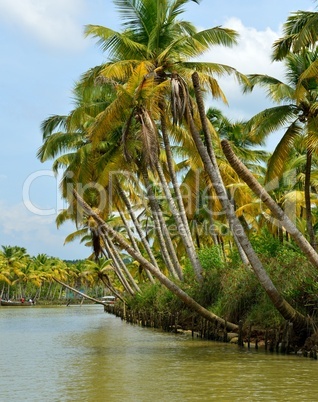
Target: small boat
[[109, 300], [15, 303]]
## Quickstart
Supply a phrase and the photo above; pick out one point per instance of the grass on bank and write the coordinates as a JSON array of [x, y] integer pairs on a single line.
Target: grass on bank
[[232, 291]]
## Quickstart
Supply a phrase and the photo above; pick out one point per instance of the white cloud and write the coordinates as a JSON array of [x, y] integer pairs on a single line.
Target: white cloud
[[253, 52], [17, 219], [38, 234], [52, 22], [251, 55]]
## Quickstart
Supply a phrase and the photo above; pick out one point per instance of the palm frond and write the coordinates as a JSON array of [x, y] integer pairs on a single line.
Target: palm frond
[[77, 235], [277, 162], [307, 80], [115, 43], [52, 123], [299, 31], [270, 120], [58, 143], [276, 89]]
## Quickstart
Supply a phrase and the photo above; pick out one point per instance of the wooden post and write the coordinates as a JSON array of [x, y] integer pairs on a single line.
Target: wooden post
[[266, 339], [192, 329], [249, 336], [240, 334], [225, 333], [289, 334], [284, 338]]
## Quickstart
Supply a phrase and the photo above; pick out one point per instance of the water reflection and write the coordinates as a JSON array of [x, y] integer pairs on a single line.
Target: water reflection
[[83, 354]]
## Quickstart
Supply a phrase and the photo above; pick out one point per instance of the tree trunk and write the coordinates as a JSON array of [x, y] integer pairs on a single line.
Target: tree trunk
[[138, 228], [310, 229], [182, 229], [80, 293], [286, 310], [188, 301], [167, 249], [111, 253], [133, 240], [277, 212]]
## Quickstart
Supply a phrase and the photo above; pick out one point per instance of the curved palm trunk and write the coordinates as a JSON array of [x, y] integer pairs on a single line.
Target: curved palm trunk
[[188, 301], [133, 240], [310, 229], [173, 176], [138, 228], [111, 253], [165, 242], [286, 310], [277, 212], [182, 230], [122, 265], [85, 296], [210, 151]]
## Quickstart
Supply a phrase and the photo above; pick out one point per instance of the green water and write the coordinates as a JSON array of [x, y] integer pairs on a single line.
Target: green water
[[83, 354]]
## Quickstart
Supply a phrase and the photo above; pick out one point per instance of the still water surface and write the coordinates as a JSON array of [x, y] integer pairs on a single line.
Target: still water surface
[[81, 354]]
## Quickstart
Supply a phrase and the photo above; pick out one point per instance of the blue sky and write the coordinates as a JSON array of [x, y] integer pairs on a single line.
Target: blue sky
[[43, 52]]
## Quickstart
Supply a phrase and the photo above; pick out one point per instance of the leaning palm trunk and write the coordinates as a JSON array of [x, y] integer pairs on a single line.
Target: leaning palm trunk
[[84, 295], [132, 239], [111, 254], [122, 265], [187, 300], [211, 153], [141, 234], [182, 229], [172, 173], [286, 310], [310, 229], [277, 212], [177, 193], [167, 249]]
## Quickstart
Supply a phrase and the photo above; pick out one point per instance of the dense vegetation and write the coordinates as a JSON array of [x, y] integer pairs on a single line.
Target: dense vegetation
[[170, 196]]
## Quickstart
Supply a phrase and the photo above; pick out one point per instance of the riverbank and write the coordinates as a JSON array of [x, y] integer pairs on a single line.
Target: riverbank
[[279, 339]]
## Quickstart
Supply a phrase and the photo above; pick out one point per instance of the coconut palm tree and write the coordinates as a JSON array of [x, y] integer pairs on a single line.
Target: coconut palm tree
[[299, 34], [297, 109], [154, 55], [164, 280], [208, 157]]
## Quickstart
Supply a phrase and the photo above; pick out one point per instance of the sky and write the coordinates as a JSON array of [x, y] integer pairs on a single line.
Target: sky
[[44, 52]]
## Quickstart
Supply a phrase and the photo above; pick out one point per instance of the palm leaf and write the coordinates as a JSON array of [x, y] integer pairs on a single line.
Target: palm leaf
[[299, 31], [276, 89], [51, 124], [277, 162], [270, 120]]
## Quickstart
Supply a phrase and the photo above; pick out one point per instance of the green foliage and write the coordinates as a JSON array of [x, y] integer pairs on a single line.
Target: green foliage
[[296, 278], [264, 314], [239, 291], [265, 245], [211, 258], [154, 298], [213, 265]]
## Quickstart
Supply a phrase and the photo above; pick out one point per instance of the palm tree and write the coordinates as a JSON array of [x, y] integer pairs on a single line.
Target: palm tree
[[191, 303], [300, 33], [150, 71], [14, 260], [153, 57], [297, 99], [208, 157]]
